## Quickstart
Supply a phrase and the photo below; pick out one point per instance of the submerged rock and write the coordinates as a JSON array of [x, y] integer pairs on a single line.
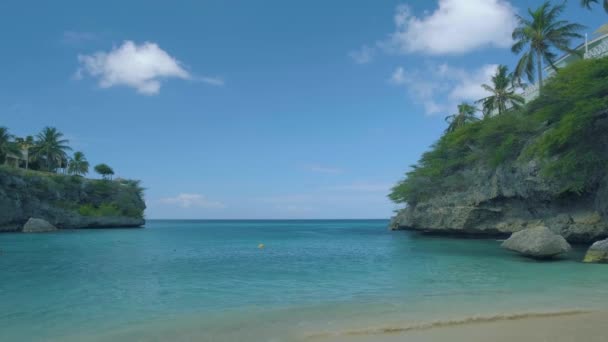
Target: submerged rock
[[598, 252], [537, 242], [35, 225]]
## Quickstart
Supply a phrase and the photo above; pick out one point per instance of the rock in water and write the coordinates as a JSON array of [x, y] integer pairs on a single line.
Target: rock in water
[[537, 242], [35, 225], [598, 252]]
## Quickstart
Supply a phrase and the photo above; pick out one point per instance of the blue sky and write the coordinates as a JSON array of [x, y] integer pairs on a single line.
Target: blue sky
[[253, 109]]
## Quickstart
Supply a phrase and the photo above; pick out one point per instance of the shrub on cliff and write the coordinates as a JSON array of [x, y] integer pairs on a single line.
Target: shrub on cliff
[[565, 129]]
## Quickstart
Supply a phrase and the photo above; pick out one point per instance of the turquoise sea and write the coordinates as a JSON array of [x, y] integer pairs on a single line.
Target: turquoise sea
[[209, 281]]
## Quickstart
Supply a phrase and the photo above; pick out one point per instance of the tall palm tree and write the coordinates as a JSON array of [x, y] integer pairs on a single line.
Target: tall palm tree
[[25, 144], [8, 148], [502, 92], [465, 115], [587, 4], [78, 165], [51, 147], [539, 35]]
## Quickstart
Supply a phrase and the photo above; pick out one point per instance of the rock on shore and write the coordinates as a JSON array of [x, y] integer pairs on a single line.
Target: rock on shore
[[35, 225], [537, 242], [598, 252]]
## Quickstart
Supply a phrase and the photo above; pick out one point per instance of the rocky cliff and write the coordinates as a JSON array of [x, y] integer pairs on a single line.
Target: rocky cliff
[[509, 199], [67, 201], [545, 164]]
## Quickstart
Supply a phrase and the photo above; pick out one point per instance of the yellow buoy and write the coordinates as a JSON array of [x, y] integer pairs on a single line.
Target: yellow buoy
[[261, 246]]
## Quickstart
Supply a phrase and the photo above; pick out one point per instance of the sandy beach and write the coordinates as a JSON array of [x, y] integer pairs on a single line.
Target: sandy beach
[[551, 327]]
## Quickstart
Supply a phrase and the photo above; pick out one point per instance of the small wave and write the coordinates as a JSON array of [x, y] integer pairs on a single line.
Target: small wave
[[448, 323]]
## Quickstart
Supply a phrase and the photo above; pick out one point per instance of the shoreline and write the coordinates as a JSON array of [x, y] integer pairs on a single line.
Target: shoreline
[[554, 326]]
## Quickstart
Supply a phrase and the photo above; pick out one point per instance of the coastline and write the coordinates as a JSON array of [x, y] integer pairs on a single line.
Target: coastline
[[558, 326]]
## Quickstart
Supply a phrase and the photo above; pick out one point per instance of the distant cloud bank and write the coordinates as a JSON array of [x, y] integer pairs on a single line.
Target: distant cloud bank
[[186, 200]]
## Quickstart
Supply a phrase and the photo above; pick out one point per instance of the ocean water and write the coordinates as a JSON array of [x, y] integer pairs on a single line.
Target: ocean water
[[209, 281]]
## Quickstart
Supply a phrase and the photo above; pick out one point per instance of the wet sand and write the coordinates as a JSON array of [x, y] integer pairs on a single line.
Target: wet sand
[[567, 326]]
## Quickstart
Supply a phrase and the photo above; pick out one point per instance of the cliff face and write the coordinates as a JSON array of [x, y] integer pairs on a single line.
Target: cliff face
[[545, 163], [67, 201], [508, 199]]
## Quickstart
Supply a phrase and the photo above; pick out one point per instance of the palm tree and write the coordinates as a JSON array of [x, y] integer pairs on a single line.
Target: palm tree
[[25, 144], [587, 4], [8, 147], [78, 165], [51, 147], [465, 115], [503, 96], [539, 35]]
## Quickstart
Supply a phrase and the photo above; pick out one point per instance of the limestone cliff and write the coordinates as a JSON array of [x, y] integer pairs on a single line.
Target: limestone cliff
[[67, 201], [508, 199], [545, 163]]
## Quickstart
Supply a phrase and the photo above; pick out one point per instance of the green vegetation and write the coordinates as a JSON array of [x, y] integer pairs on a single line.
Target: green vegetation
[[50, 149], [50, 175], [104, 170], [465, 115], [105, 209], [502, 92], [564, 129], [88, 197], [539, 36], [47, 152], [78, 165]]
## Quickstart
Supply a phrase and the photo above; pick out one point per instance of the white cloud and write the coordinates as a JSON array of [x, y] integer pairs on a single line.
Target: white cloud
[[364, 55], [440, 87], [469, 84], [455, 27], [324, 169], [142, 67], [186, 200]]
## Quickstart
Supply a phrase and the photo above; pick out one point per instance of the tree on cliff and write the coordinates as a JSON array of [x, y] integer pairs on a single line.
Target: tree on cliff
[[587, 4], [7, 147], [51, 148], [465, 115], [104, 170], [503, 96], [25, 144], [539, 35], [78, 165]]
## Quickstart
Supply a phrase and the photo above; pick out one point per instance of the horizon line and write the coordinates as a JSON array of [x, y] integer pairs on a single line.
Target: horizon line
[[262, 219]]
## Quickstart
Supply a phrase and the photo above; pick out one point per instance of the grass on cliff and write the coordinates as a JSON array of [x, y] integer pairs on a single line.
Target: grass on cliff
[[565, 129]]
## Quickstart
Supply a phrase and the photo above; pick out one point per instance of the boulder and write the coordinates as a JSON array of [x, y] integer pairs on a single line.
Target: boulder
[[598, 252], [537, 242], [35, 225]]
